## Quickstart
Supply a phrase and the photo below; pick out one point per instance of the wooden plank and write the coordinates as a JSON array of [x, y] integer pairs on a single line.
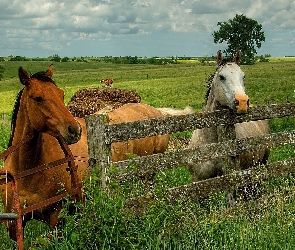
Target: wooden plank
[[172, 124], [166, 125], [202, 189], [228, 182], [151, 164], [267, 112]]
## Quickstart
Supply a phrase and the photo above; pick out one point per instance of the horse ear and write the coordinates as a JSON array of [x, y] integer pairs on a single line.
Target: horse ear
[[238, 57], [49, 71], [219, 57], [24, 76]]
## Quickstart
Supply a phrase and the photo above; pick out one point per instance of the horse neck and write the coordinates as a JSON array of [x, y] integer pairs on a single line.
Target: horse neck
[[209, 135], [211, 103]]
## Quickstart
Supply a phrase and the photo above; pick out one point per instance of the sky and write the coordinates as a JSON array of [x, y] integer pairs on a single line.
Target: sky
[[39, 28]]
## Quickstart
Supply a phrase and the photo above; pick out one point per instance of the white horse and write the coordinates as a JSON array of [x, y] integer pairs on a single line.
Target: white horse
[[227, 91]]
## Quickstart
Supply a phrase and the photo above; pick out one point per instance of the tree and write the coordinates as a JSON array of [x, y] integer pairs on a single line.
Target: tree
[[55, 58], [65, 59], [18, 58], [240, 33]]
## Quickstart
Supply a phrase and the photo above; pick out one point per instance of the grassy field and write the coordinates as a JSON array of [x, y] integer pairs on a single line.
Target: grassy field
[[267, 223]]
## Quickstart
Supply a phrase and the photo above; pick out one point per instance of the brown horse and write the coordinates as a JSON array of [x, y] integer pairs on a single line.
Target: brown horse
[[108, 82], [141, 147], [40, 113]]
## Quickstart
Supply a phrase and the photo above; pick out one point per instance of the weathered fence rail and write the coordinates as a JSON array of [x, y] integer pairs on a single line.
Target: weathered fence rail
[[101, 135], [229, 182], [172, 124]]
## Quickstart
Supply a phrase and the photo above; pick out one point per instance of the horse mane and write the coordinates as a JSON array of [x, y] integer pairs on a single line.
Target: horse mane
[[14, 115], [39, 76], [209, 81]]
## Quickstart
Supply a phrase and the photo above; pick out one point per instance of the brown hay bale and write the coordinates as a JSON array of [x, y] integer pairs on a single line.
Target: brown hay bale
[[88, 101]]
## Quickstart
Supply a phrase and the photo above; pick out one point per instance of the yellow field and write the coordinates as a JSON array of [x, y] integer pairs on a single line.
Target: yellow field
[[282, 59]]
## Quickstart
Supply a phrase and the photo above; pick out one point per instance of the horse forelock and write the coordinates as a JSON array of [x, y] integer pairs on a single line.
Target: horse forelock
[[41, 76], [224, 62]]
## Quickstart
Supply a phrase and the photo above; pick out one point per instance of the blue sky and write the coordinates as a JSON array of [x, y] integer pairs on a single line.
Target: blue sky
[[39, 28]]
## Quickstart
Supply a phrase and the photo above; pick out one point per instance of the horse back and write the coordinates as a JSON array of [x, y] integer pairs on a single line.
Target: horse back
[[251, 129]]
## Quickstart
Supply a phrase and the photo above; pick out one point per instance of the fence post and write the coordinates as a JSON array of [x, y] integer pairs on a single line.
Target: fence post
[[99, 151], [224, 133]]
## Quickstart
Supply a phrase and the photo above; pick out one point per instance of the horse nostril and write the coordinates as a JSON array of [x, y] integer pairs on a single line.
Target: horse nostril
[[72, 131]]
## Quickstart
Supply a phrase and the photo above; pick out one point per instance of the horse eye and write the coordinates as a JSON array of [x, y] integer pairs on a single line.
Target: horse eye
[[221, 77], [38, 99]]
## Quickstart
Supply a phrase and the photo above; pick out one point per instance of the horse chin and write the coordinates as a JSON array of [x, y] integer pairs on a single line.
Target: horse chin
[[71, 140], [241, 111]]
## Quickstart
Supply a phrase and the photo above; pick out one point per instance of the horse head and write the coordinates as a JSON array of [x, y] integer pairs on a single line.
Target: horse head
[[45, 110], [228, 84]]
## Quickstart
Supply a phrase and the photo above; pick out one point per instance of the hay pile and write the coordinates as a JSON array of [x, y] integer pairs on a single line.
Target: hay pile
[[88, 101]]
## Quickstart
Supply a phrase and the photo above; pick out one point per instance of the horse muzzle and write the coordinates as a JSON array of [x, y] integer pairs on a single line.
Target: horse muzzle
[[241, 102], [74, 134]]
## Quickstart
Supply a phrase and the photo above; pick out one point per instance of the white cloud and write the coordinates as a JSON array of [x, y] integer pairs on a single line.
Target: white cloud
[[52, 24], [50, 46]]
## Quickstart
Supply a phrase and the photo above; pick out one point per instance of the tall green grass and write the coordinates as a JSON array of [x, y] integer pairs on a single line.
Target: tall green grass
[[266, 223]]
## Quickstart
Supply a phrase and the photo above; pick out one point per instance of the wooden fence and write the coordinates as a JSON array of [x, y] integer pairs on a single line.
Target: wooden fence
[[101, 135]]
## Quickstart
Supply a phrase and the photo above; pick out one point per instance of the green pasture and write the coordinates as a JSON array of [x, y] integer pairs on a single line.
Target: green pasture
[[174, 85], [266, 223]]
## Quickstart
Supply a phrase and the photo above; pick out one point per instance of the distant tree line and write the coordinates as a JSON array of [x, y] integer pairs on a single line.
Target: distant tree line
[[209, 60], [118, 59], [18, 58]]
